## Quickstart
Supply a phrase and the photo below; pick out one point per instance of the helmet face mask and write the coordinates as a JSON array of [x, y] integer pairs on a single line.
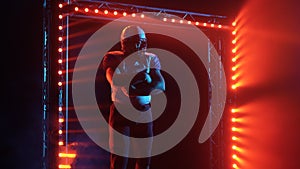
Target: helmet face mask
[[133, 39], [133, 44]]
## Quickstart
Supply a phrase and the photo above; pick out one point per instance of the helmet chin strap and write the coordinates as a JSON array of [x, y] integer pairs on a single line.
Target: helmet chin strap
[[137, 46]]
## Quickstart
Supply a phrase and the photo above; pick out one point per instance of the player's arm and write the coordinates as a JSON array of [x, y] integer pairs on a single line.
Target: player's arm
[[158, 81]]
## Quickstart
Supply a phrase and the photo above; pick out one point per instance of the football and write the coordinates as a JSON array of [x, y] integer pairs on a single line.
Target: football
[[140, 84]]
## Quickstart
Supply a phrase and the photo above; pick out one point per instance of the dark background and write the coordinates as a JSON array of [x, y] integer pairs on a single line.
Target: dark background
[[21, 68]]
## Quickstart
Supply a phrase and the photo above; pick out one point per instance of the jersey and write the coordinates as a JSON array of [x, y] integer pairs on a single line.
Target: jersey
[[117, 61]]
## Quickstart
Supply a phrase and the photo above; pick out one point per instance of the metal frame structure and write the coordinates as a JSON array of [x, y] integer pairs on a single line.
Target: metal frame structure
[[138, 8], [216, 138], [53, 103], [46, 82]]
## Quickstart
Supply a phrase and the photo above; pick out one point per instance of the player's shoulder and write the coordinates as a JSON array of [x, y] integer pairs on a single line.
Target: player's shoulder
[[114, 54], [151, 55]]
